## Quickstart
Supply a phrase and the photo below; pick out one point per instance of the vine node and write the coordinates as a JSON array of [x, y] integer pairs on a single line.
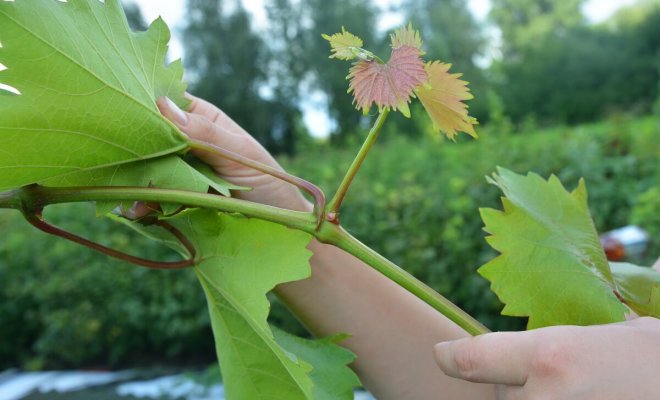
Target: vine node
[[308, 187]]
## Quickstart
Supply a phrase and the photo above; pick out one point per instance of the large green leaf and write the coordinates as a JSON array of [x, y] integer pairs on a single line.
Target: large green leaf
[[88, 88], [240, 260], [552, 267], [332, 380], [639, 287]]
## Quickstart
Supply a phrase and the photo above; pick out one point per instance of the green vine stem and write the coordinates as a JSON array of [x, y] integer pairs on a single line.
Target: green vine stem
[[332, 213], [337, 236], [37, 197]]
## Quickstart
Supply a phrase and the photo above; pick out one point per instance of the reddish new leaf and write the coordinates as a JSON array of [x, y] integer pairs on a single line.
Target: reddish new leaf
[[443, 100], [388, 85]]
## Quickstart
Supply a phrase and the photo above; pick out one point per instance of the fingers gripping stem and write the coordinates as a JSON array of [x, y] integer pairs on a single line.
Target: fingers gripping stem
[[310, 188]]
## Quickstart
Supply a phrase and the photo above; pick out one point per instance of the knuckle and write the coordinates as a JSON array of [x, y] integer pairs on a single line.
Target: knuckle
[[243, 141], [200, 128], [467, 363], [206, 130], [553, 359], [194, 106]]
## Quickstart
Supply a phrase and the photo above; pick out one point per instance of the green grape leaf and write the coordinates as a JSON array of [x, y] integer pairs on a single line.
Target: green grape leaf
[[639, 287], [388, 85], [443, 98], [551, 266], [343, 45], [87, 87], [240, 260], [332, 380]]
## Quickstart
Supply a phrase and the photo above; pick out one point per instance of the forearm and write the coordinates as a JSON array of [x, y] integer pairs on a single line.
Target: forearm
[[392, 332]]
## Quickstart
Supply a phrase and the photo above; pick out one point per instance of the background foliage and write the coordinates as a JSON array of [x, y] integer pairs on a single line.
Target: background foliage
[[415, 201]]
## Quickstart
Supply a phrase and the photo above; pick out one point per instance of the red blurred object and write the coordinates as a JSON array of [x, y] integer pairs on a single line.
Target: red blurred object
[[622, 243], [614, 249]]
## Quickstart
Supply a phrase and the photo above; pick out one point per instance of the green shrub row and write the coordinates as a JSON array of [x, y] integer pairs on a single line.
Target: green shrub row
[[415, 201], [63, 306]]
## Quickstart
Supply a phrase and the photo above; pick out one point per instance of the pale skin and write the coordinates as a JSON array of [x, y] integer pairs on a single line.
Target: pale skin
[[407, 350]]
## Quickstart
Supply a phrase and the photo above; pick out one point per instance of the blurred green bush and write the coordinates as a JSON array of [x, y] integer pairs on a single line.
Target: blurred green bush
[[416, 201], [62, 305]]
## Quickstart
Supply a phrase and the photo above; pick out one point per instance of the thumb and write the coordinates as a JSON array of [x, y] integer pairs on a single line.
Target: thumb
[[499, 358]]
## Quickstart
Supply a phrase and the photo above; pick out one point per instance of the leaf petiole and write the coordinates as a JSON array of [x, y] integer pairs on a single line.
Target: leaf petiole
[[365, 55], [332, 210], [36, 219]]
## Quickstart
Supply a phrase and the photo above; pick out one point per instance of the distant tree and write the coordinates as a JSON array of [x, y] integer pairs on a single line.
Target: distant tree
[[286, 36], [227, 64], [524, 22], [288, 68], [322, 16], [584, 73], [134, 16], [448, 29], [451, 34]]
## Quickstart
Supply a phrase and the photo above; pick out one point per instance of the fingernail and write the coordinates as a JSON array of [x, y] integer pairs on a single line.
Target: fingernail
[[179, 117]]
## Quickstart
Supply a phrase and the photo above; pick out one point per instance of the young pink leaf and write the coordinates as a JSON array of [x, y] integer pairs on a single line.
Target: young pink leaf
[[343, 45], [443, 100], [388, 85]]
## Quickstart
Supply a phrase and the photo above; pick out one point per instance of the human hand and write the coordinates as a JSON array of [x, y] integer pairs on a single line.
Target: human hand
[[203, 121], [605, 362]]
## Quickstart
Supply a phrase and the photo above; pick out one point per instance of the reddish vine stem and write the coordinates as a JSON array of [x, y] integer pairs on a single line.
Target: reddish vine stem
[[36, 218], [310, 188]]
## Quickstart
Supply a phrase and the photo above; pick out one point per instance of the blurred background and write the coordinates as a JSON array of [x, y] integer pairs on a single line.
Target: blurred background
[[565, 87]]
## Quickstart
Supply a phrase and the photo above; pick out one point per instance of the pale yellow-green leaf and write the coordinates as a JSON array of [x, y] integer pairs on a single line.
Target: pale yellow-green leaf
[[344, 45], [443, 98]]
